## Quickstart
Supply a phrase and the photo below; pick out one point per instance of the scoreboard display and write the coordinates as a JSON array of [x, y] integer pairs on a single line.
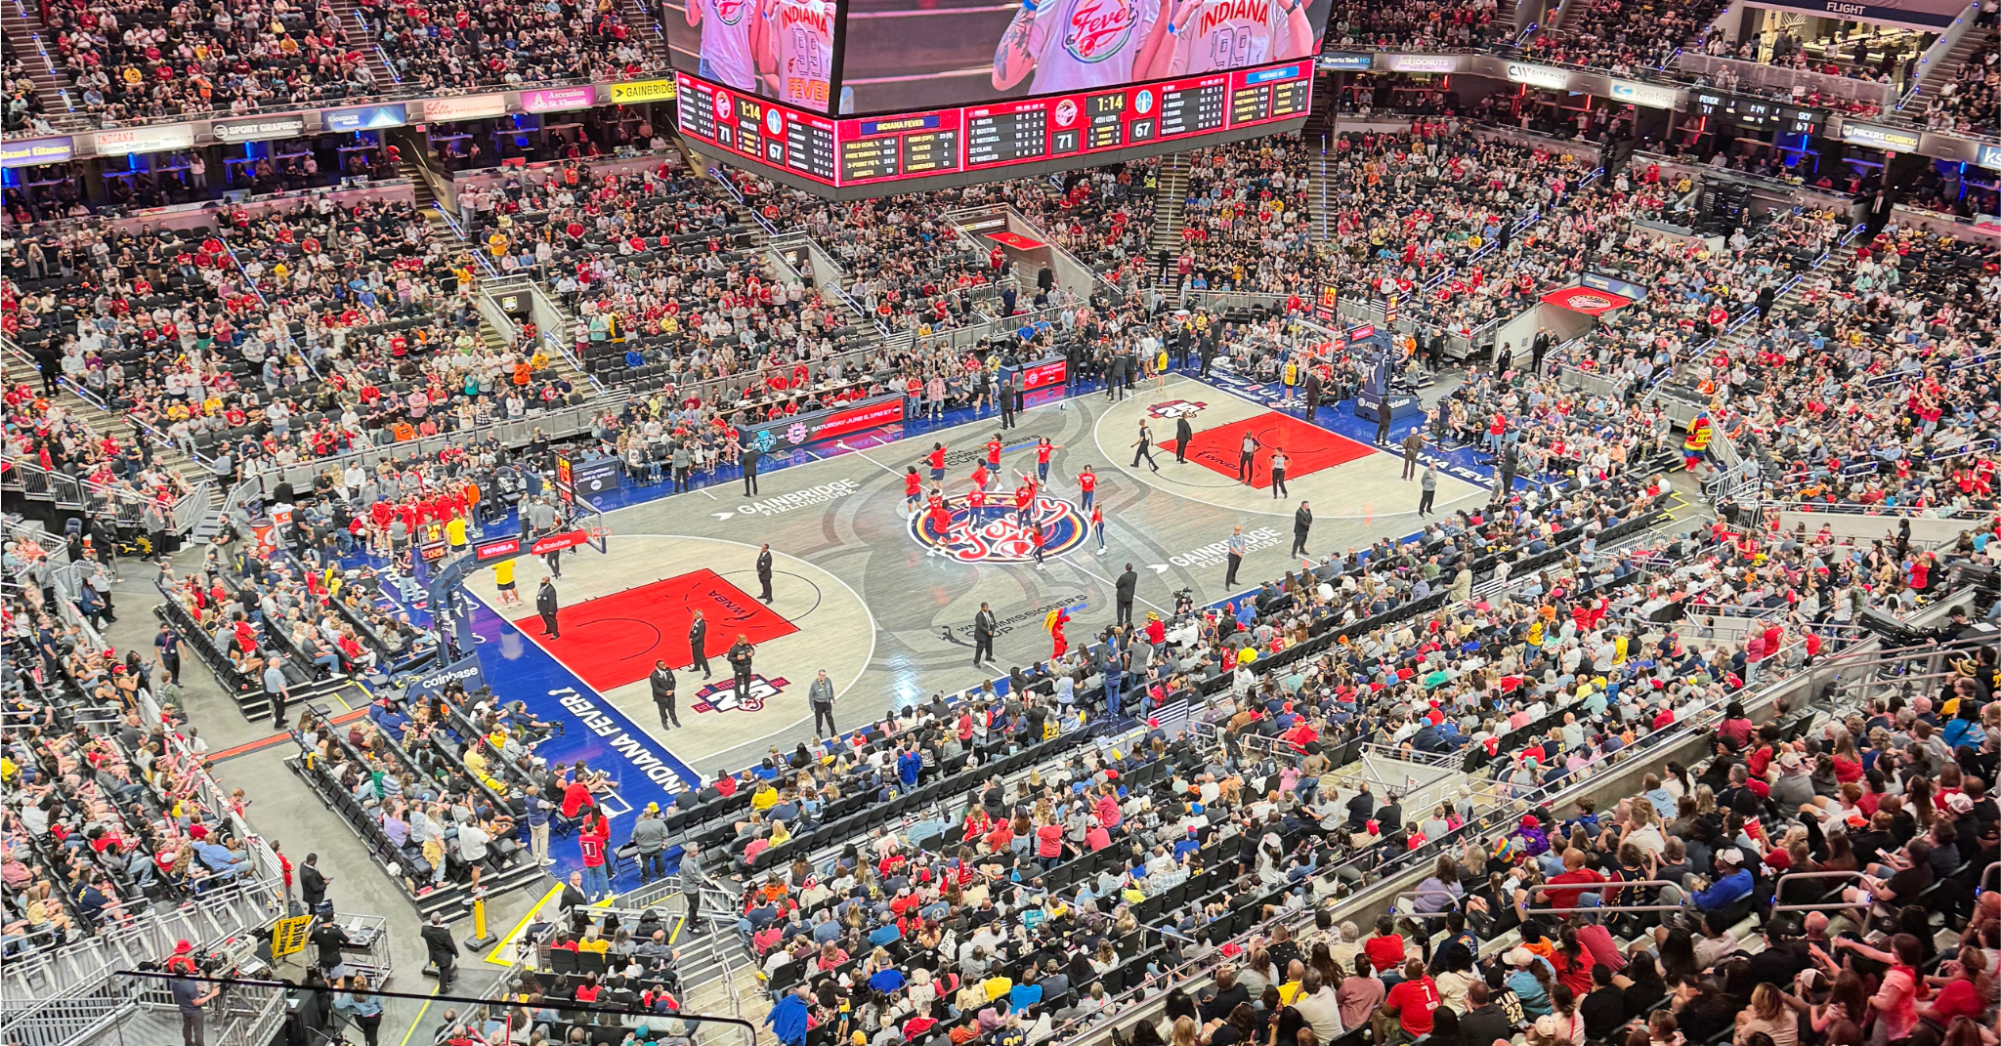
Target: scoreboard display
[[851, 157], [1756, 113]]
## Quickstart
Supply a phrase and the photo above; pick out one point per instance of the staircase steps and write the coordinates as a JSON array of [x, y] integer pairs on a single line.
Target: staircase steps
[[1321, 193], [27, 38], [646, 19], [361, 39], [1169, 197], [1942, 72]]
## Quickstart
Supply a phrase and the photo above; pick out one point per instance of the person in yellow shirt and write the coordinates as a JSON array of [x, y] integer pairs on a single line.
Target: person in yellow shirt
[[455, 533], [593, 941], [503, 579], [764, 798]]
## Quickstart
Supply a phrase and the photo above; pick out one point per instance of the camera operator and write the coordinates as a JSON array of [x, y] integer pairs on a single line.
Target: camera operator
[[189, 997]]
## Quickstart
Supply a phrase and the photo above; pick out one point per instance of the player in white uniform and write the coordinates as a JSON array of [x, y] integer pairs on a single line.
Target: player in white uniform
[[726, 26], [1206, 36], [1072, 45], [794, 44]]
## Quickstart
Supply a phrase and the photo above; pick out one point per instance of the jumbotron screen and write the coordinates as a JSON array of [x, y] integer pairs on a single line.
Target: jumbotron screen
[[866, 92]]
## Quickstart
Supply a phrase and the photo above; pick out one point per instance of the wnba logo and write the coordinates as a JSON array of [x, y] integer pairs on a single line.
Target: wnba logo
[[992, 533]]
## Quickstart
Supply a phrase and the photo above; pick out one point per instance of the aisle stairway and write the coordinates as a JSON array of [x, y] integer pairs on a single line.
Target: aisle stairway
[[1944, 71], [27, 39], [1171, 194], [106, 422], [645, 17], [1322, 195], [360, 39], [1836, 264]]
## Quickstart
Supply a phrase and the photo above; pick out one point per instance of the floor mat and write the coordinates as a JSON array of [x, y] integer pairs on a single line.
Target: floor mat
[[1310, 447], [614, 640]]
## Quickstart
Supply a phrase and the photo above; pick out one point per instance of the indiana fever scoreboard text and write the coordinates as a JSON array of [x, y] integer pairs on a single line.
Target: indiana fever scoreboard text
[[878, 154]]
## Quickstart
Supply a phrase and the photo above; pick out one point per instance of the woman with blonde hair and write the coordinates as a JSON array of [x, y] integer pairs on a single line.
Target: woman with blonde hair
[[1772, 1013]]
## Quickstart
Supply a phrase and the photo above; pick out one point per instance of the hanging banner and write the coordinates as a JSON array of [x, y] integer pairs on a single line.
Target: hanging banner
[[465, 670], [1885, 138], [143, 139], [1426, 63], [1539, 76], [643, 91], [558, 99], [1644, 94], [259, 130], [1990, 157], [366, 118], [474, 107], [37, 150], [1344, 61]]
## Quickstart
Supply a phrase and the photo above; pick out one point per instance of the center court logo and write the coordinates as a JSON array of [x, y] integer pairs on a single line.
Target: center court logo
[[722, 697], [991, 534], [1177, 409]]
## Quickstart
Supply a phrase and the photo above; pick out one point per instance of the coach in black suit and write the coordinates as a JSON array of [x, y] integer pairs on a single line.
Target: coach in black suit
[[1128, 582], [545, 605], [764, 570], [985, 627], [698, 638]]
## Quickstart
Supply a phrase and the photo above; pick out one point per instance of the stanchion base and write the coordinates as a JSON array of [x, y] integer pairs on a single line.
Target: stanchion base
[[480, 943]]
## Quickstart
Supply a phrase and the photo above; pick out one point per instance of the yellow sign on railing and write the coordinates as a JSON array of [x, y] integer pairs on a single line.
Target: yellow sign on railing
[[643, 91], [288, 935]]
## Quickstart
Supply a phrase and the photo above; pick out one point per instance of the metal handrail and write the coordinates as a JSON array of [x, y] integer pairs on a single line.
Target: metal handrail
[[1779, 885], [1583, 888]]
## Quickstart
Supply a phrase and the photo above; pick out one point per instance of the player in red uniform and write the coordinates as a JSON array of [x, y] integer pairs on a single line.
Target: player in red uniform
[[913, 490], [941, 515], [994, 452], [1087, 481], [1043, 448], [937, 461], [981, 477]]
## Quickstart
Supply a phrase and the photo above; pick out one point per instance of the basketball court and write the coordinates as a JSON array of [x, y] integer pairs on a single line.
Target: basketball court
[[884, 602]]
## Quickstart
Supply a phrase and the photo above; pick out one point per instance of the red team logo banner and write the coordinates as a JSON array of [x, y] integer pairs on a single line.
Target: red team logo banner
[[1043, 375], [1585, 300]]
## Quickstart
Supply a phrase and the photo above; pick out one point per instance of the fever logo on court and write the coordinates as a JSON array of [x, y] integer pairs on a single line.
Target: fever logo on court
[[1177, 409], [992, 533], [722, 697]]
